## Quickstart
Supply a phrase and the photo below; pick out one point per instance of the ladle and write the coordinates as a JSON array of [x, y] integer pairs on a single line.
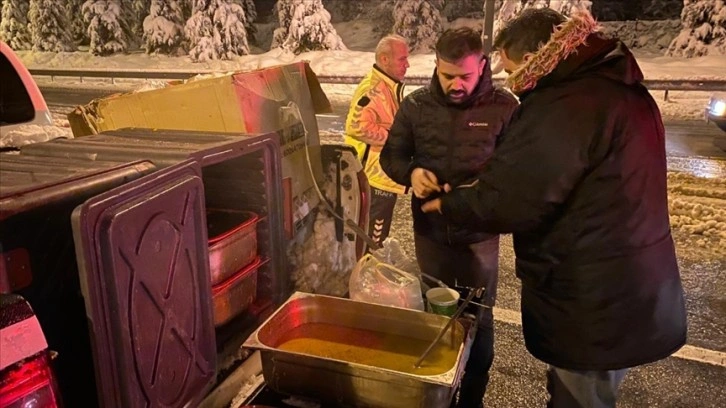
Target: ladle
[[452, 319]]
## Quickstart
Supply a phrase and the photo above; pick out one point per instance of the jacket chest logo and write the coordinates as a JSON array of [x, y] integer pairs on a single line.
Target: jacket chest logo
[[478, 124]]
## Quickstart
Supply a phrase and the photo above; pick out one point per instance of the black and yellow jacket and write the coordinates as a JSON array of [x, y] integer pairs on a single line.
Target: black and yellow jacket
[[371, 114]]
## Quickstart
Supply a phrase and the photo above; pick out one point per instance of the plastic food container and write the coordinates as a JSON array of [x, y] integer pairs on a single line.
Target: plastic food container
[[234, 295], [232, 242]]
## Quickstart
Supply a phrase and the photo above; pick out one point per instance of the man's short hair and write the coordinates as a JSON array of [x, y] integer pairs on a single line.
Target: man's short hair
[[385, 45], [455, 44], [528, 32]]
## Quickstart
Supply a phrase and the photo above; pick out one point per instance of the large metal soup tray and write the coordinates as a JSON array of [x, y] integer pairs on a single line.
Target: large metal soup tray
[[350, 384]]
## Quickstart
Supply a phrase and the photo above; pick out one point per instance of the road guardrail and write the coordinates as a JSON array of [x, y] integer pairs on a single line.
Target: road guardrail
[[652, 84]]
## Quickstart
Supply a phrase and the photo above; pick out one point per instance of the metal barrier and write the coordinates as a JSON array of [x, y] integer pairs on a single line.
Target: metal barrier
[[652, 84]]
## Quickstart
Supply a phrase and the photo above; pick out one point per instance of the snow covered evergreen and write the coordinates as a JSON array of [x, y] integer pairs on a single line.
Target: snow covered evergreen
[[79, 33], [305, 26], [108, 29], [508, 9], [50, 29], [348, 10], [463, 8], [137, 14], [14, 25], [703, 29], [568, 7], [419, 21], [164, 28], [216, 30]]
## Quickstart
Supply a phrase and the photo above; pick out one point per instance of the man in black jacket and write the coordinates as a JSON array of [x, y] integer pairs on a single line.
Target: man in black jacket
[[580, 181], [444, 134]]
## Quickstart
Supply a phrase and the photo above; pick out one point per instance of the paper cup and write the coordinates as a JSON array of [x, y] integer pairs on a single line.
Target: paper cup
[[442, 301]]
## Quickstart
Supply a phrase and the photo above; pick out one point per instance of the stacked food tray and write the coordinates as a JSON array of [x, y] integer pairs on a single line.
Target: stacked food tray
[[233, 262]]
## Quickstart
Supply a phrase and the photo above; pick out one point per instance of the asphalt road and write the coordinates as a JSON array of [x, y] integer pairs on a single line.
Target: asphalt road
[[69, 97]]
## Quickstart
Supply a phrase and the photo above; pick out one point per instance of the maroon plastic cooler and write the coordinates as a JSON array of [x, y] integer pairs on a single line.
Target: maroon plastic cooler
[[107, 237]]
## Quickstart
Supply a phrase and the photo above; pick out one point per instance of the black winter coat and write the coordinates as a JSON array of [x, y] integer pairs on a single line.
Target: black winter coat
[[580, 179], [454, 141]]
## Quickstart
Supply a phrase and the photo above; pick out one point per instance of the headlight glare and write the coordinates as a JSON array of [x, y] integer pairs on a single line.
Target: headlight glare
[[718, 108]]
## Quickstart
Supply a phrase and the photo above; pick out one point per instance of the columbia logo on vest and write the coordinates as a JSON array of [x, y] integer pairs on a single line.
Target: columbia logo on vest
[[478, 124]]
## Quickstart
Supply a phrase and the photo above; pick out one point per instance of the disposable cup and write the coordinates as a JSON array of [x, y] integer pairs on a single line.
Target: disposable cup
[[442, 301]]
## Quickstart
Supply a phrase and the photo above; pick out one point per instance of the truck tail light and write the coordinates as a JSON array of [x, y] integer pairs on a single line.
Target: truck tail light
[[26, 373], [29, 383]]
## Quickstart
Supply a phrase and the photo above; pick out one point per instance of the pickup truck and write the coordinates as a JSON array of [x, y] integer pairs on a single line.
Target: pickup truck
[[121, 279]]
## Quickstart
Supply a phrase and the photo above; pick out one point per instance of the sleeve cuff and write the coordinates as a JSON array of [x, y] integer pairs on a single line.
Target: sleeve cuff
[[454, 207]]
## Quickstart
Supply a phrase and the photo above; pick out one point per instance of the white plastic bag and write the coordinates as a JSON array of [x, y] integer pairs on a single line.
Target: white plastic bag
[[394, 255], [374, 281]]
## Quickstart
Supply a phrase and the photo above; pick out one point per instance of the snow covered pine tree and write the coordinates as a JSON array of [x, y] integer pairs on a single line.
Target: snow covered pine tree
[[508, 9], [703, 29], [137, 14], [14, 25], [78, 26], [164, 28], [108, 28], [216, 30], [418, 21], [305, 26], [50, 29]]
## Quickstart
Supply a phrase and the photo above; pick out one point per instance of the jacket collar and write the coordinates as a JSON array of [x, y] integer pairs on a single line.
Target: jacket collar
[[389, 79], [394, 84], [564, 42]]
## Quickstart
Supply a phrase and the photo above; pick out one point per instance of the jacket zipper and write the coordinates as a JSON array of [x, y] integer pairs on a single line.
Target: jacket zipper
[[449, 160], [399, 97]]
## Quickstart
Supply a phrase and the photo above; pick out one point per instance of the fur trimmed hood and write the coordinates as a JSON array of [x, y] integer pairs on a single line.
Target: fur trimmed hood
[[565, 41]]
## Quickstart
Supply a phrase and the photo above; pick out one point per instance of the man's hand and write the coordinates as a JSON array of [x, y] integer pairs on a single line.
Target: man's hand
[[432, 206], [435, 204], [424, 182]]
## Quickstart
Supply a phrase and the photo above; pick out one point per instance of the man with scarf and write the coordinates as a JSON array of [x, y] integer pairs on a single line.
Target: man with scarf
[[444, 134], [580, 181]]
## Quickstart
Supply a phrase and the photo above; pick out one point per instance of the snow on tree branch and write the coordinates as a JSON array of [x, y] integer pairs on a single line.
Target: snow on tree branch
[[703, 29], [137, 14], [305, 26], [49, 26], [508, 9], [419, 21], [108, 28], [78, 26], [164, 28], [216, 30], [14, 25]]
